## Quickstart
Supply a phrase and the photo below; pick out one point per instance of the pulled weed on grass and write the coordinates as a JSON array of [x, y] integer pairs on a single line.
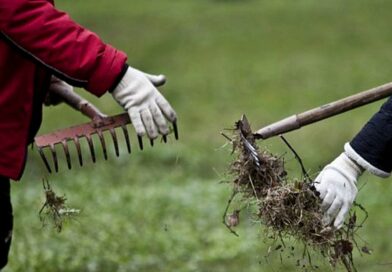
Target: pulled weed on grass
[[54, 209]]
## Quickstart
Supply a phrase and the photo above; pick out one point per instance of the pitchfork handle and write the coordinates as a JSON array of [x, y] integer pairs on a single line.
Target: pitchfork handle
[[79, 103], [297, 121]]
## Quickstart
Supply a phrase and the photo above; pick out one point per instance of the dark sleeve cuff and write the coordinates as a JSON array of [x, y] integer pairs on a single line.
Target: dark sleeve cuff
[[119, 77], [374, 142]]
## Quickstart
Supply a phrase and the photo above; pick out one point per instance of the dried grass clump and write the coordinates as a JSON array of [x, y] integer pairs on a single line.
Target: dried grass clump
[[54, 209], [287, 208]]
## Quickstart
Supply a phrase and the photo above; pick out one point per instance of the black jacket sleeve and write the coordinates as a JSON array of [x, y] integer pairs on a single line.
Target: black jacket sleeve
[[374, 142]]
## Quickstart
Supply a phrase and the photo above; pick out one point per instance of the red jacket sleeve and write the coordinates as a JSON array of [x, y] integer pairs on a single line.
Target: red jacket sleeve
[[51, 37]]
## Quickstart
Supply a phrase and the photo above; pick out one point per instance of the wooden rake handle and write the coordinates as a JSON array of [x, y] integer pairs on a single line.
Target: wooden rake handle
[[79, 103], [297, 121]]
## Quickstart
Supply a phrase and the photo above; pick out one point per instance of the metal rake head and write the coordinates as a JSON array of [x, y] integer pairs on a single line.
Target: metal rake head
[[248, 139], [86, 131]]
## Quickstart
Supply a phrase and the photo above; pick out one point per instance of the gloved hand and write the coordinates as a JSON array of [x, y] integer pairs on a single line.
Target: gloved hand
[[336, 184], [147, 108], [52, 99]]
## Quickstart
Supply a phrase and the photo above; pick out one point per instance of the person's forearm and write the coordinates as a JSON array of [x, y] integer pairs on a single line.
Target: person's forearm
[[50, 37]]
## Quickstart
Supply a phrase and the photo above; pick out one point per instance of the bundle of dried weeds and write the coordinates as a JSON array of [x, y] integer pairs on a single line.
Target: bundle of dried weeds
[[285, 207], [54, 208]]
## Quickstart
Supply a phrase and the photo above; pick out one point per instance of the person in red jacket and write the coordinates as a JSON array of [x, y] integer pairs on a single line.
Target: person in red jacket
[[43, 48]]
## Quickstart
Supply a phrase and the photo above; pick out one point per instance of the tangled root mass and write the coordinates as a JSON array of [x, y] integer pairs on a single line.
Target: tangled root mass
[[287, 208]]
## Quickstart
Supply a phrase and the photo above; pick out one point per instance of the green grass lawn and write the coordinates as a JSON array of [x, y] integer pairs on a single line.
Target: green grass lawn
[[161, 209]]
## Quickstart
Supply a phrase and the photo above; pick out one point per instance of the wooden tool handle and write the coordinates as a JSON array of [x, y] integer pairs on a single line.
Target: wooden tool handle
[[334, 108], [79, 103]]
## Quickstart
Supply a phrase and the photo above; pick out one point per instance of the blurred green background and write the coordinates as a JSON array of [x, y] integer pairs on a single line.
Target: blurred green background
[[161, 209]]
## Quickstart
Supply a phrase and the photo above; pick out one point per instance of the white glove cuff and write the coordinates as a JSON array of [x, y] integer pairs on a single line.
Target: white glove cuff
[[128, 78], [346, 167], [353, 155]]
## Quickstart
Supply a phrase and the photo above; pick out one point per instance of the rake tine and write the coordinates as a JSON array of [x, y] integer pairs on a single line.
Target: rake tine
[[114, 137], [140, 139], [126, 136], [164, 137], [91, 146], [78, 149], [66, 151], [41, 152], [251, 149], [54, 156], [175, 129], [103, 143]]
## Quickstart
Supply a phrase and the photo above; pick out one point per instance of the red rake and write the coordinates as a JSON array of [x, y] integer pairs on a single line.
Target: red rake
[[97, 126]]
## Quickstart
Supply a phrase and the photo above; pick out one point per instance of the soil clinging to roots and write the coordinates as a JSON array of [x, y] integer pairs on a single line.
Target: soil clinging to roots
[[287, 208]]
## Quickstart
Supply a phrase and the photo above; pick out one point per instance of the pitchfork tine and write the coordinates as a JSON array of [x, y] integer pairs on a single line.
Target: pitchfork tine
[[66, 151], [139, 138], [102, 139], [54, 156], [77, 144], [91, 146], [114, 137], [164, 137], [126, 136], [151, 142], [41, 152]]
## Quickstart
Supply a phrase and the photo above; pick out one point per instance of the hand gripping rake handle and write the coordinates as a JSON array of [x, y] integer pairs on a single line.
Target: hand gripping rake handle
[[100, 119], [100, 123], [297, 121]]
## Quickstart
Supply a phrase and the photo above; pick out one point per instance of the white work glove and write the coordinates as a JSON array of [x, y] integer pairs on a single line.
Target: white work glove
[[146, 106], [52, 99], [336, 184]]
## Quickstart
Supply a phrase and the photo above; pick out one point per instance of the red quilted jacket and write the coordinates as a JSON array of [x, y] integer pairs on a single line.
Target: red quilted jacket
[[36, 41]]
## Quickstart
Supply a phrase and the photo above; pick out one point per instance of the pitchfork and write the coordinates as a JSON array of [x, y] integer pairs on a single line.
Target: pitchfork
[[297, 121], [97, 126]]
